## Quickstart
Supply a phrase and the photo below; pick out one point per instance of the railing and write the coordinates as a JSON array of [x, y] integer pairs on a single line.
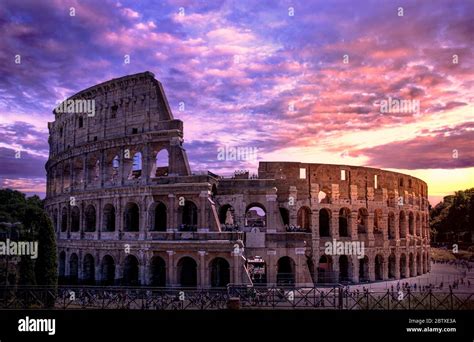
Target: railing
[[278, 297]]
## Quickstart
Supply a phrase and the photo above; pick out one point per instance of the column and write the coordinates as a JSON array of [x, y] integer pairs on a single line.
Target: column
[[203, 226], [202, 269], [271, 213], [397, 265], [334, 221], [171, 270], [171, 210]]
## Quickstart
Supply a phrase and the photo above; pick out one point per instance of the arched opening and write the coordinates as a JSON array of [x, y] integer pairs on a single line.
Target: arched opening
[[402, 225], [90, 219], [418, 225], [362, 220], [325, 269], [392, 266], [55, 220], [285, 216], [324, 226], [411, 265], [391, 226], [226, 215], [189, 216], [364, 269], [285, 271], [323, 197], [187, 271], [130, 271], [93, 170], [378, 225], [403, 266], [64, 219], [115, 169], [411, 223], [255, 215], [136, 171], [158, 272], [161, 166], [344, 216], [418, 264], [132, 217], [304, 218], [88, 270], [220, 272], [73, 268], [160, 217], [62, 267], [379, 267], [343, 268], [75, 219], [107, 270], [109, 218]]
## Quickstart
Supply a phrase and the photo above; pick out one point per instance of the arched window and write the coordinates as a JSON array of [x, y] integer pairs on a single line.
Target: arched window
[[344, 216], [158, 272], [107, 270], [391, 226], [285, 271], [109, 218], [255, 215], [160, 218], [161, 166], [402, 225], [132, 217], [64, 219], [90, 219], [88, 270], [75, 219], [187, 272], [189, 216], [136, 171], [324, 225], [220, 272], [304, 218], [362, 221], [130, 271]]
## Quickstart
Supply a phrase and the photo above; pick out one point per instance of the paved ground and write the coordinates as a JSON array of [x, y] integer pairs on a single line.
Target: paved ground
[[440, 273]]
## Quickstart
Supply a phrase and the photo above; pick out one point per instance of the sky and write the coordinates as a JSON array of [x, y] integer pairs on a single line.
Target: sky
[[309, 81]]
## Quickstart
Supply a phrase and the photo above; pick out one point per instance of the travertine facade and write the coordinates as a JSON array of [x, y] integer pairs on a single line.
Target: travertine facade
[[128, 210]]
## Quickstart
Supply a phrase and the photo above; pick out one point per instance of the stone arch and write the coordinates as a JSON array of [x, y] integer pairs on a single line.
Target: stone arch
[[344, 218], [161, 165], [286, 271], [188, 214], [344, 268], [419, 269], [324, 222], [157, 271], [93, 169], [131, 271], [226, 215], [391, 226], [220, 272], [73, 268], [378, 266], [411, 223], [131, 217], [90, 218], [88, 270], [75, 219], [107, 270], [418, 224], [135, 169], [325, 272], [411, 265], [64, 219], [109, 218], [392, 266], [187, 272], [364, 269], [403, 265], [362, 220], [402, 225], [255, 215], [378, 221], [158, 217], [304, 218]]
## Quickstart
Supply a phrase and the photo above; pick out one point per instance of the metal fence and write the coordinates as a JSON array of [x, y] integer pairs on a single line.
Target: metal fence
[[234, 296]]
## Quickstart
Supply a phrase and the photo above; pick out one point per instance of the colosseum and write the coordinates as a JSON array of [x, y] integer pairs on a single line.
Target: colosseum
[[128, 210]]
